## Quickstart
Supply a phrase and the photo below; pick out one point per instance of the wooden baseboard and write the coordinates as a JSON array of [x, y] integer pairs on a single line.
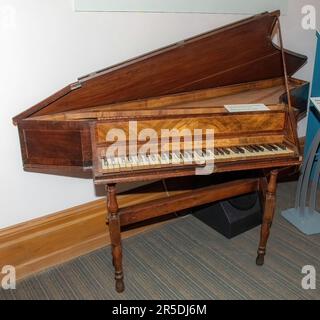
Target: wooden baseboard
[[42, 243]]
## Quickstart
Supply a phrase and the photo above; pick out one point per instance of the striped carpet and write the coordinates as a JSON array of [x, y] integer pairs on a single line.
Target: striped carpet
[[185, 259]]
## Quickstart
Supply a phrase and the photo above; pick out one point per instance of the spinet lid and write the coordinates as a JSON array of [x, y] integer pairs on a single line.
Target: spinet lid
[[234, 54]]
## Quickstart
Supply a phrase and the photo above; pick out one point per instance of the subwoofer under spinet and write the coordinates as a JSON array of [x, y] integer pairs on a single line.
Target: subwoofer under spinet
[[233, 216]]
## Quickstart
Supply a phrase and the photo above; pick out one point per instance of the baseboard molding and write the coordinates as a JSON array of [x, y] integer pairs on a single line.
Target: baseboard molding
[[42, 243]]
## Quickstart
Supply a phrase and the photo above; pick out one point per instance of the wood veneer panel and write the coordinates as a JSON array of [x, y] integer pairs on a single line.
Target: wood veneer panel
[[238, 53]]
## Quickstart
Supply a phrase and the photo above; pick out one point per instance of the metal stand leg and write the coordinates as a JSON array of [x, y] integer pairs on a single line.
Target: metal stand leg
[[314, 188], [304, 217]]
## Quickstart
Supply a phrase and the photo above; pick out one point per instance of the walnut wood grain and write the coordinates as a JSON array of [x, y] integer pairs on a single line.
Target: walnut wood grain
[[266, 91], [151, 209], [223, 124], [202, 62]]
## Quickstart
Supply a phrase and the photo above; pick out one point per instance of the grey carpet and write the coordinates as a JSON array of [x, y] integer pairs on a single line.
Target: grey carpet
[[187, 260]]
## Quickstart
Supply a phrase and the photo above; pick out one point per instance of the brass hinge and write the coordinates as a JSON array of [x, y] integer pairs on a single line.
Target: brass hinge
[[76, 85]]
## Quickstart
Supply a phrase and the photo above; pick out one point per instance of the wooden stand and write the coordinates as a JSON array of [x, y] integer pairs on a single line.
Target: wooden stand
[[269, 211], [157, 208], [115, 235]]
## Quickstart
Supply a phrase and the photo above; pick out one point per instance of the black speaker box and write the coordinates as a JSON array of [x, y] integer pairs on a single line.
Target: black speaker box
[[234, 216]]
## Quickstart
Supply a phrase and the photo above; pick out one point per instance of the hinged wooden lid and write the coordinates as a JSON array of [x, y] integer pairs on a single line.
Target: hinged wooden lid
[[237, 53]]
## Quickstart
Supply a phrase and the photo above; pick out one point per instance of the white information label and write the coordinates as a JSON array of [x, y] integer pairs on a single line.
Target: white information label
[[316, 102], [246, 107]]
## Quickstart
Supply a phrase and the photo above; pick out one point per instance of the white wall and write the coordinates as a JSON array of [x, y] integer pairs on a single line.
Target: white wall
[[49, 46]]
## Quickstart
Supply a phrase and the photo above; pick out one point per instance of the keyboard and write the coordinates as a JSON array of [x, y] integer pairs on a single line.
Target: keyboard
[[191, 157]]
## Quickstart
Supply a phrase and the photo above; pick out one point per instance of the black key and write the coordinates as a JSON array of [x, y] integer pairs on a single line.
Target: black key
[[255, 148], [260, 148], [226, 151], [183, 156], [273, 147], [241, 150], [235, 150], [208, 152], [248, 148], [216, 153], [176, 157], [281, 146], [220, 151], [268, 147], [200, 153]]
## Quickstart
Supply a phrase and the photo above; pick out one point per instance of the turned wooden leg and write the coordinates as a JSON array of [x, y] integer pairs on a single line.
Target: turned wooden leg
[[269, 211], [115, 236]]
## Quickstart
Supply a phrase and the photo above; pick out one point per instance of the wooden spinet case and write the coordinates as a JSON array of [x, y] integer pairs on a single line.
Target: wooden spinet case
[[239, 60], [235, 64]]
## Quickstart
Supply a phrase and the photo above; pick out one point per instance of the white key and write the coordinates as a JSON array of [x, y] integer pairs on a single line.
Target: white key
[[234, 155], [154, 160], [110, 164], [240, 155], [158, 159], [128, 163], [182, 157], [246, 153], [134, 161], [280, 151], [165, 159], [122, 162], [209, 155], [283, 151], [145, 160], [219, 156], [187, 157], [140, 161], [150, 160], [228, 155], [199, 158], [104, 164], [176, 158], [115, 163], [266, 151]]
